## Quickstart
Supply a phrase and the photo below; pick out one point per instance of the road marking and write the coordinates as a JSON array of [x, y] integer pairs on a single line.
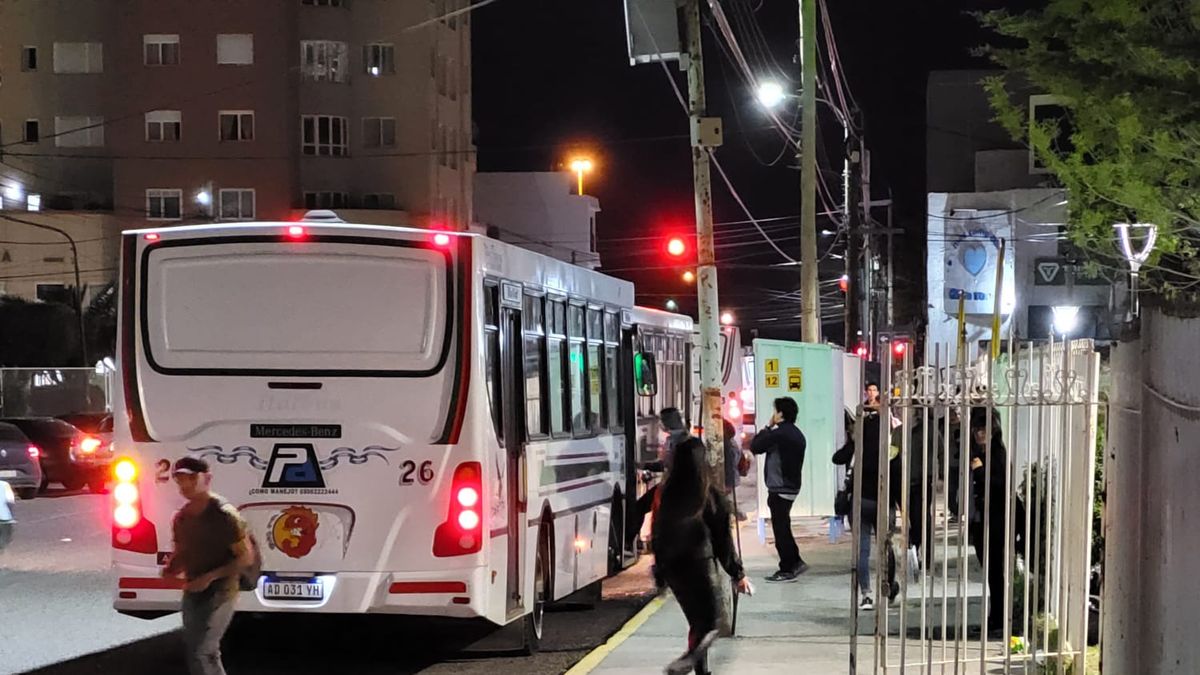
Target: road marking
[[595, 657]]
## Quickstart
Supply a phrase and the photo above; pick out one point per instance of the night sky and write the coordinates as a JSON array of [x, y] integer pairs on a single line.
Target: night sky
[[553, 77]]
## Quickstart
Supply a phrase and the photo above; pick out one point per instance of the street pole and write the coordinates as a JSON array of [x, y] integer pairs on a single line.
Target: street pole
[[810, 301], [706, 284], [854, 267]]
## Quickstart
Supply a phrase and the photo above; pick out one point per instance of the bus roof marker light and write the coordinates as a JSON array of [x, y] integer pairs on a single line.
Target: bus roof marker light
[[441, 239], [295, 231], [153, 236]]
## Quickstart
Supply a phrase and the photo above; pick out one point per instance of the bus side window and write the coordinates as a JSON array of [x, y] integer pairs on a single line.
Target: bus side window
[[491, 346], [575, 371], [595, 375], [535, 364], [612, 372], [556, 357]]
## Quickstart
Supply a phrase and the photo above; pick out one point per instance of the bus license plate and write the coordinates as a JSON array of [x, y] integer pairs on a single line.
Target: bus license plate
[[293, 590], [8, 474]]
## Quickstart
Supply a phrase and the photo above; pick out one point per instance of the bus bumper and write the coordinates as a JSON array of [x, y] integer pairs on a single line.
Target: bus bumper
[[459, 593]]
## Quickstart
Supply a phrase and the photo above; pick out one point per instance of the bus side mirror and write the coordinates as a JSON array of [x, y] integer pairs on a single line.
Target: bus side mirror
[[645, 374]]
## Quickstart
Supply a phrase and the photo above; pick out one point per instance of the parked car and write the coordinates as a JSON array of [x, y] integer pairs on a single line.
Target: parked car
[[20, 464], [7, 522], [68, 455], [99, 425]]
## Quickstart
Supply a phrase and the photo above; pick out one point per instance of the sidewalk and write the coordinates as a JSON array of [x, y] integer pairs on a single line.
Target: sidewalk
[[795, 627]]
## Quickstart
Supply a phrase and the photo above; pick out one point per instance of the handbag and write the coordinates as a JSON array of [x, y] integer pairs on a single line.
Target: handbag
[[743, 465], [843, 503]]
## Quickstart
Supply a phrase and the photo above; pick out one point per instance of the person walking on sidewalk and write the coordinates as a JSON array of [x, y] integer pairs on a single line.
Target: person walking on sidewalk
[[784, 445], [869, 470], [691, 528], [211, 550]]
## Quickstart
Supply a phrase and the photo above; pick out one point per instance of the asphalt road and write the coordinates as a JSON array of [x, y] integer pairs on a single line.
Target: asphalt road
[[56, 617]]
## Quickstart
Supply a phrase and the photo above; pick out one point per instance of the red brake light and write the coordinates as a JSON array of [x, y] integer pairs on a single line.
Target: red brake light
[[34, 451], [295, 231], [441, 239], [89, 445], [152, 236], [461, 534]]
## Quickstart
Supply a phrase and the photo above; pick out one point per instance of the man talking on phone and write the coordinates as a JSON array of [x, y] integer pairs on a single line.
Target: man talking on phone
[[784, 445]]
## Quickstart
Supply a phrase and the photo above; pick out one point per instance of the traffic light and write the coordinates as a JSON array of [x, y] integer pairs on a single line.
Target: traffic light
[[899, 347], [861, 351], [676, 247]]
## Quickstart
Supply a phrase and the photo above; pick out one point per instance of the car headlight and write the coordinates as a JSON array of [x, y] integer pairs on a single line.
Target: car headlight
[[9, 496]]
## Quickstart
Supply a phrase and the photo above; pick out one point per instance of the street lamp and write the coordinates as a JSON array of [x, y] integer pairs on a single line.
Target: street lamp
[[689, 277], [581, 166], [1065, 319], [770, 94], [726, 319], [672, 306]]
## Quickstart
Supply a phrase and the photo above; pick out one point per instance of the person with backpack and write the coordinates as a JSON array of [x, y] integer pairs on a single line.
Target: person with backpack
[[212, 551], [691, 528]]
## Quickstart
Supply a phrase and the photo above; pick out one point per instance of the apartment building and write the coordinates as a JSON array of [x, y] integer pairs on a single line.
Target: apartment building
[[177, 112]]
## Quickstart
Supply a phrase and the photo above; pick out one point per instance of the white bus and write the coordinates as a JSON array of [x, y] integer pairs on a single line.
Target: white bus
[[411, 422]]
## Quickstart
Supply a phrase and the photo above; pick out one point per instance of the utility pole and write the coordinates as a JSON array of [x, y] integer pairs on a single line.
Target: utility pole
[[810, 299], [705, 135], [854, 266]]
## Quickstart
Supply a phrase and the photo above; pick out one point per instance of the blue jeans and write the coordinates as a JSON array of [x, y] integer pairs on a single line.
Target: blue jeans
[[866, 537]]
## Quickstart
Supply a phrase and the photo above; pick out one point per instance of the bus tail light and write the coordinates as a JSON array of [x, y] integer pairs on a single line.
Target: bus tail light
[[461, 533], [130, 531], [89, 445]]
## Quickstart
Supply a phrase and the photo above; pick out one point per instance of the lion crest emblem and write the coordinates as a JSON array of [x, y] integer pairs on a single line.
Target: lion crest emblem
[[294, 531]]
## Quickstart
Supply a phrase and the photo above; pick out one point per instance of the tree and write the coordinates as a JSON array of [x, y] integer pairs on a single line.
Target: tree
[[1128, 74], [100, 317], [37, 334]]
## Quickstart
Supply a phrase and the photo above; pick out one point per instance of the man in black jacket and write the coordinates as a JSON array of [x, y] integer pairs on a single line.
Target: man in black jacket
[[784, 445]]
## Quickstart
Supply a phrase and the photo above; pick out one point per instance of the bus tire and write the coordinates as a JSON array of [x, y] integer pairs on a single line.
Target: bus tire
[[534, 621], [616, 535]]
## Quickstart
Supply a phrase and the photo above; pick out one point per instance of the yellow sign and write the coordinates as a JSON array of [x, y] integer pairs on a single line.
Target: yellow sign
[[772, 380], [795, 379], [772, 366]]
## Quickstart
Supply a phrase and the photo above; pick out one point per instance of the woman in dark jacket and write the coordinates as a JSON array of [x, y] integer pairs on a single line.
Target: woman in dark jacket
[[691, 527], [993, 512], [870, 495]]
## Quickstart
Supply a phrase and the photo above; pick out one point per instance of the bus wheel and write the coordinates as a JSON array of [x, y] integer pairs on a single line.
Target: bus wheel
[[616, 536], [535, 619]]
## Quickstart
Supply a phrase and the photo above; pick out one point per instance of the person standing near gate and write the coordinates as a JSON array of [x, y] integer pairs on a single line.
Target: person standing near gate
[[784, 445], [992, 514], [211, 550]]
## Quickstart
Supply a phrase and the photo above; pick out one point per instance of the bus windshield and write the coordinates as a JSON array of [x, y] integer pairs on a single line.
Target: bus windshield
[[271, 307]]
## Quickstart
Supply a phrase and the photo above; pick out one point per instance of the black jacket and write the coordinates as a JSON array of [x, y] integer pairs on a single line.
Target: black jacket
[[784, 446], [681, 543], [870, 463]]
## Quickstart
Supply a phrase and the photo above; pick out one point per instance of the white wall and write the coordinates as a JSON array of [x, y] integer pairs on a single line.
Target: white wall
[[1028, 219], [539, 211]]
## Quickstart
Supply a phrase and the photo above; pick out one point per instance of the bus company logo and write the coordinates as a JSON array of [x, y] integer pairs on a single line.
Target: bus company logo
[[294, 531], [293, 466]]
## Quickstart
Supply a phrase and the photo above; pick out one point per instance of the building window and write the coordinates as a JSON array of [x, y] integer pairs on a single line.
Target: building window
[[237, 204], [32, 131], [379, 132], [379, 59], [164, 125], [325, 61], [29, 58], [235, 49], [326, 200], [325, 3], [78, 132], [78, 57], [379, 201], [164, 204], [236, 125], [161, 50], [324, 135]]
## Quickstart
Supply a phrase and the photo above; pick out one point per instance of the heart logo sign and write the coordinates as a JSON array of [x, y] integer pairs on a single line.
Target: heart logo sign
[[974, 258]]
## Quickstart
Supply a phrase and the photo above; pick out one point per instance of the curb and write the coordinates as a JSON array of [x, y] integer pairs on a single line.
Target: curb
[[595, 657]]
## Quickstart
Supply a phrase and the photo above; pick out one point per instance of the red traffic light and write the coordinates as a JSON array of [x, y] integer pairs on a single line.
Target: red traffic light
[[676, 247], [861, 351], [898, 348]]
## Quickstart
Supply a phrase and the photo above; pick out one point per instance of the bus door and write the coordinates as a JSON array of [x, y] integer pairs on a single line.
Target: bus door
[[513, 406], [628, 405]]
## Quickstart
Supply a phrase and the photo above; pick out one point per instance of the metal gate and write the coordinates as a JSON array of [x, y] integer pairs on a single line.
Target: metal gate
[[1021, 430]]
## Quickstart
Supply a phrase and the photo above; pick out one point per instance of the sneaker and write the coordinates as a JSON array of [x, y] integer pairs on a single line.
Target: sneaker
[[782, 577], [801, 569], [680, 666], [866, 604]]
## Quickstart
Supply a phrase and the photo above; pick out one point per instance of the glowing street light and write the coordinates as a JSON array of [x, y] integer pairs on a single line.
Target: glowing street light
[[672, 306], [726, 318], [770, 94], [1065, 319], [580, 166], [689, 277]]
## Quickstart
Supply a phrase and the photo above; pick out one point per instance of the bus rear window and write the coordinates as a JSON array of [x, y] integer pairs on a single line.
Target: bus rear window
[[281, 308]]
